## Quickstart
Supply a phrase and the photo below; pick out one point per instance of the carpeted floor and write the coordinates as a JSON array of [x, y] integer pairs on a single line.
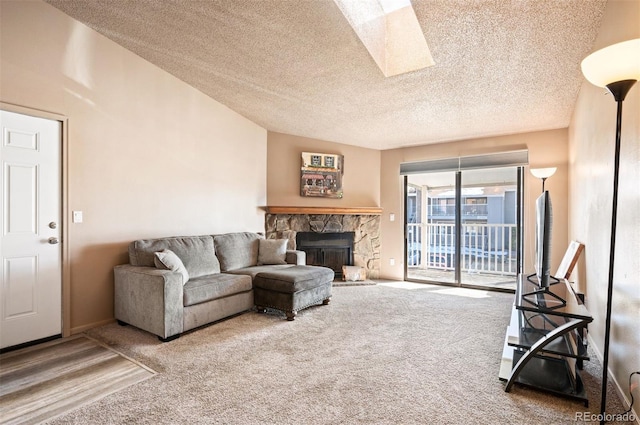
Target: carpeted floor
[[353, 283], [382, 354]]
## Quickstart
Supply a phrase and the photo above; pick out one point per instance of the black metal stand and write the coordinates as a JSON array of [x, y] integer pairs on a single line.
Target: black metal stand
[[619, 90], [544, 348], [539, 294]]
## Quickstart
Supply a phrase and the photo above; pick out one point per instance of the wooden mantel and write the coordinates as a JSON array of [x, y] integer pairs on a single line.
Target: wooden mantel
[[326, 210]]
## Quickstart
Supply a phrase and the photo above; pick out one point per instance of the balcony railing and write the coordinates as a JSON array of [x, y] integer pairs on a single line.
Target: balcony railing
[[450, 210], [485, 248]]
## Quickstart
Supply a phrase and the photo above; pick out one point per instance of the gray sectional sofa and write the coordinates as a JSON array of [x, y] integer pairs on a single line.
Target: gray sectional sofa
[[175, 284]]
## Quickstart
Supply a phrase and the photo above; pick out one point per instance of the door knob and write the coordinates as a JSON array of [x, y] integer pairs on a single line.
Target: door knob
[[53, 240]]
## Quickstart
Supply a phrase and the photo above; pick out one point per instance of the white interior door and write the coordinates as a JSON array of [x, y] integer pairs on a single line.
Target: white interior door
[[30, 249]]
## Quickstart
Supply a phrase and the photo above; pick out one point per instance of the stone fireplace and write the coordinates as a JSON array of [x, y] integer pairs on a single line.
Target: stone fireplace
[[330, 224]]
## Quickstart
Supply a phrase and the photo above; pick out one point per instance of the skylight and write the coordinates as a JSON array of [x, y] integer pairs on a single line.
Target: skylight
[[391, 33]]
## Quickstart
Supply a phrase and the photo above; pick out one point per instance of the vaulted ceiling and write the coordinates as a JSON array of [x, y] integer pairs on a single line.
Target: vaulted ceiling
[[297, 67]]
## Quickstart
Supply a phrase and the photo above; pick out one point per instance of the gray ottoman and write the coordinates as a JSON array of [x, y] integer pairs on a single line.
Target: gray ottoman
[[293, 288]]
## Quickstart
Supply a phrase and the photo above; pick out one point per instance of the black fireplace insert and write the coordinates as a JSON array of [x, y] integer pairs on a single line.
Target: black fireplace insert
[[332, 250]]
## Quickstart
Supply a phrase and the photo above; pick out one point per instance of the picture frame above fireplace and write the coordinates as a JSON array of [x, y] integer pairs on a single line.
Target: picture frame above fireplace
[[321, 175]]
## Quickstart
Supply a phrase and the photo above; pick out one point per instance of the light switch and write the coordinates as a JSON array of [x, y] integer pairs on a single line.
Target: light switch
[[77, 216], [392, 217], [392, 261]]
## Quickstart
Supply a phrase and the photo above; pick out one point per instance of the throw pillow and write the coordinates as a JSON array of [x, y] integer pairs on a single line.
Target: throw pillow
[[272, 251], [168, 260]]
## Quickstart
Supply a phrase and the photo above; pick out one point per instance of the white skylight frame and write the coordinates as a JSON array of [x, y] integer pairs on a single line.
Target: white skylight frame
[[390, 31]]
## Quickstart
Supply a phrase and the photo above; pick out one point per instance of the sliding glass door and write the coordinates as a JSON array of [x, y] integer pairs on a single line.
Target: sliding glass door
[[430, 228], [489, 242], [461, 227]]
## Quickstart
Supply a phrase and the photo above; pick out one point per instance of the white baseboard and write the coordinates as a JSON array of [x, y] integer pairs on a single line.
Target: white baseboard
[[611, 377]]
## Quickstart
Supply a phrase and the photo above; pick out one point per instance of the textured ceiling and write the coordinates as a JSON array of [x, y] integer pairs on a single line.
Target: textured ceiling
[[297, 67]]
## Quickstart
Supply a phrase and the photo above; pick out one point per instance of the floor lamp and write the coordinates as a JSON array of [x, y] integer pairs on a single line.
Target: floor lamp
[[617, 68], [543, 174]]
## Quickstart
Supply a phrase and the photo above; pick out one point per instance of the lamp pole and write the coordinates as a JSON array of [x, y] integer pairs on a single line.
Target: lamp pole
[[619, 91]]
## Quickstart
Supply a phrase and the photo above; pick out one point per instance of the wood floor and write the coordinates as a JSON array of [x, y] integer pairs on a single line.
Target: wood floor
[[44, 381]]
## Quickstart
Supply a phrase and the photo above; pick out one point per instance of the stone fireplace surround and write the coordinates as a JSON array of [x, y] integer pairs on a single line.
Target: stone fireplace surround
[[285, 222]]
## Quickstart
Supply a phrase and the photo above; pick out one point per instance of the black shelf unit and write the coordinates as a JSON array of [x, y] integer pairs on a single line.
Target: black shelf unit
[[544, 346]]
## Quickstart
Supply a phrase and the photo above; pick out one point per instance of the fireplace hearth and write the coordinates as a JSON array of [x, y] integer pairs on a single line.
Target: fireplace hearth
[[332, 250]]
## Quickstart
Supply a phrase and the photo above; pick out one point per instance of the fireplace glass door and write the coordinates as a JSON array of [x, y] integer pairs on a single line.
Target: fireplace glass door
[[332, 250]]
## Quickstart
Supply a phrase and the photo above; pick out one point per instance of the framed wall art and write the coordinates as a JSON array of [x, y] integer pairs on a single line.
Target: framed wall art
[[321, 175]]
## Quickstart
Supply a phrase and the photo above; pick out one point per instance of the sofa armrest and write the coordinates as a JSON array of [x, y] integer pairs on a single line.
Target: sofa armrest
[[149, 299], [298, 258]]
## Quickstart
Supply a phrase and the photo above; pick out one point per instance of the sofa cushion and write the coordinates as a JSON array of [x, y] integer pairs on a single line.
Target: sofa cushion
[[272, 251], [212, 287], [168, 260], [254, 270], [237, 250], [196, 252]]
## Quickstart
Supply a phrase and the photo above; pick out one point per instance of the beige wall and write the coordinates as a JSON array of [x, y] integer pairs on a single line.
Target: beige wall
[[148, 155], [361, 181], [546, 149], [591, 149]]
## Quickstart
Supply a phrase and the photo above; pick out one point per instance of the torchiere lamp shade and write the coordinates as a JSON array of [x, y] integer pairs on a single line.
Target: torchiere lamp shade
[[618, 62], [543, 173]]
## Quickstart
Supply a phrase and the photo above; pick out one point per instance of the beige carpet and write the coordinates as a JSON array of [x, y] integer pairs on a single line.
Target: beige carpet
[[397, 354], [366, 282], [44, 381]]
